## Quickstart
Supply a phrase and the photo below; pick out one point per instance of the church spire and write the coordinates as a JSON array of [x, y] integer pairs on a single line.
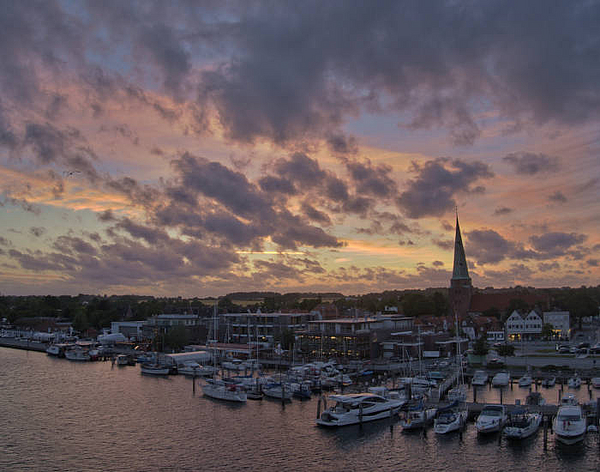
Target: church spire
[[460, 270]]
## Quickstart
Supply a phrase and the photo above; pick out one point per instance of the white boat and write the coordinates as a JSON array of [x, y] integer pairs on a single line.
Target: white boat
[[549, 382], [207, 371], [569, 424], [189, 368], [491, 419], [569, 399], [234, 364], [596, 382], [480, 377], [457, 394], [57, 350], [154, 369], [501, 379], [418, 417], [77, 354], [451, 418], [525, 381], [522, 424], [221, 390], [575, 381], [358, 408], [280, 391]]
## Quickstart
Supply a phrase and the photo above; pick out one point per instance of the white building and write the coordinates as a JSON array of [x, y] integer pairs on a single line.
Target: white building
[[518, 326], [560, 321], [130, 329]]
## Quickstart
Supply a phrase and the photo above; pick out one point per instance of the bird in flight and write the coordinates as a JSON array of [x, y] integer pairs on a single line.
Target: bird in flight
[[69, 173]]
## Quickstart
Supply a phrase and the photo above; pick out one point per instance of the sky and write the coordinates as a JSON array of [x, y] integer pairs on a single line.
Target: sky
[[190, 148]]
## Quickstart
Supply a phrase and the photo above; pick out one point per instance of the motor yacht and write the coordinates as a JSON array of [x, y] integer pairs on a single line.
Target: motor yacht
[[491, 419], [480, 377], [77, 353], [122, 360], [522, 424], [547, 383], [596, 382], [525, 381], [569, 424], [574, 382], [154, 369], [501, 379], [450, 418], [358, 408]]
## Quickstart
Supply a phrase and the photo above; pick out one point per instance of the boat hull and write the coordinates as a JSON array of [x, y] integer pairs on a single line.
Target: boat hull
[[224, 393]]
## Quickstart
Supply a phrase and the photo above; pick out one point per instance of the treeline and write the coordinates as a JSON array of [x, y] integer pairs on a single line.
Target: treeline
[[93, 311]]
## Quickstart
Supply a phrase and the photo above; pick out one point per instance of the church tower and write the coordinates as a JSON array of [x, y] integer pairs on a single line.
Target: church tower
[[460, 284]]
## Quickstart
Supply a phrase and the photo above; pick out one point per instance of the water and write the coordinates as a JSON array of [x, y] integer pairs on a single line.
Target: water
[[66, 416]]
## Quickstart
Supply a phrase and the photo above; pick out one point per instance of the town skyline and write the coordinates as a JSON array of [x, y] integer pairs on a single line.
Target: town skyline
[[197, 150]]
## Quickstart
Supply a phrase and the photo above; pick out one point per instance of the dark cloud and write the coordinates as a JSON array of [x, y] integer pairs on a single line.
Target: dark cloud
[[593, 262], [437, 182], [437, 263], [527, 163], [315, 215], [37, 231], [558, 197], [548, 266], [372, 179], [502, 211], [556, 243], [488, 246]]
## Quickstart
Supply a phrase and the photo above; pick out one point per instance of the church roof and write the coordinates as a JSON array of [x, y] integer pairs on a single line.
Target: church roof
[[460, 270]]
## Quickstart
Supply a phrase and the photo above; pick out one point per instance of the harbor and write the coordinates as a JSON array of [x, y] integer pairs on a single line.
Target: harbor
[[141, 422]]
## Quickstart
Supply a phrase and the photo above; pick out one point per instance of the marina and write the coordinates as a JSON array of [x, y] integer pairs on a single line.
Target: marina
[[77, 415]]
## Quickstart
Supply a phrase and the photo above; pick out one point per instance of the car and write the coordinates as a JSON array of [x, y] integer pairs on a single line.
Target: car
[[573, 349], [495, 362], [582, 345], [563, 350]]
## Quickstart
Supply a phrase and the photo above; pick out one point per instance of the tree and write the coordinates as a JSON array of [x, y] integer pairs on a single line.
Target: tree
[[441, 307], [516, 304], [480, 347], [177, 337], [505, 350], [582, 305], [547, 331]]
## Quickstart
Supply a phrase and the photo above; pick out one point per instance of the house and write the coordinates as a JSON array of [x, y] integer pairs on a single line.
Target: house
[[518, 326], [560, 321]]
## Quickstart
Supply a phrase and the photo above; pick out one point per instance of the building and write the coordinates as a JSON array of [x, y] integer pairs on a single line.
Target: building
[[520, 327], [264, 328], [460, 285], [560, 321], [350, 338], [130, 329]]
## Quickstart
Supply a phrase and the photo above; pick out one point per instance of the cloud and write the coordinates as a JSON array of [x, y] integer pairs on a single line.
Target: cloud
[[37, 231], [527, 163], [372, 179], [554, 244], [437, 182], [488, 246], [558, 197], [502, 211]]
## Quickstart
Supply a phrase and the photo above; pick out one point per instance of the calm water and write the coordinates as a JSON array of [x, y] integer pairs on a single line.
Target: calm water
[[67, 416]]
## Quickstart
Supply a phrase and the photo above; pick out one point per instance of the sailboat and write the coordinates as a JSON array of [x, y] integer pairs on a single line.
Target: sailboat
[[458, 393]]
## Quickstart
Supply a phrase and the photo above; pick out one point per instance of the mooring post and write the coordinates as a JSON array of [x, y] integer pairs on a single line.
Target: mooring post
[[360, 414], [194, 383], [545, 432], [319, 407], [501, 393], [474, 393]]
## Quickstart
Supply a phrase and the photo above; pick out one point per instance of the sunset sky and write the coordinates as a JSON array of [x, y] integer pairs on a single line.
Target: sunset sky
[[199, 148]]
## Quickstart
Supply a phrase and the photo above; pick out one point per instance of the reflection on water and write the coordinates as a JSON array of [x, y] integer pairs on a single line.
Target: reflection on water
[[66, 416]]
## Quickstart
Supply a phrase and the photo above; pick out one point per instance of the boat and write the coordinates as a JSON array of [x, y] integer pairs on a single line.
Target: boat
[[575, 381], [457, 394], [417, 417], [480, 377], [525, 381], [57, 350], [450, 418], [122, 360], [191, 368], [491, 419], [234, 364], [358, 408], [535, 399], [301, 390], [221, 390], [569, 399], [77, 353], [501, 379], [154, 369], [547, 383], [522, 424], [596, 382], [569, 424], [277, 390]]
